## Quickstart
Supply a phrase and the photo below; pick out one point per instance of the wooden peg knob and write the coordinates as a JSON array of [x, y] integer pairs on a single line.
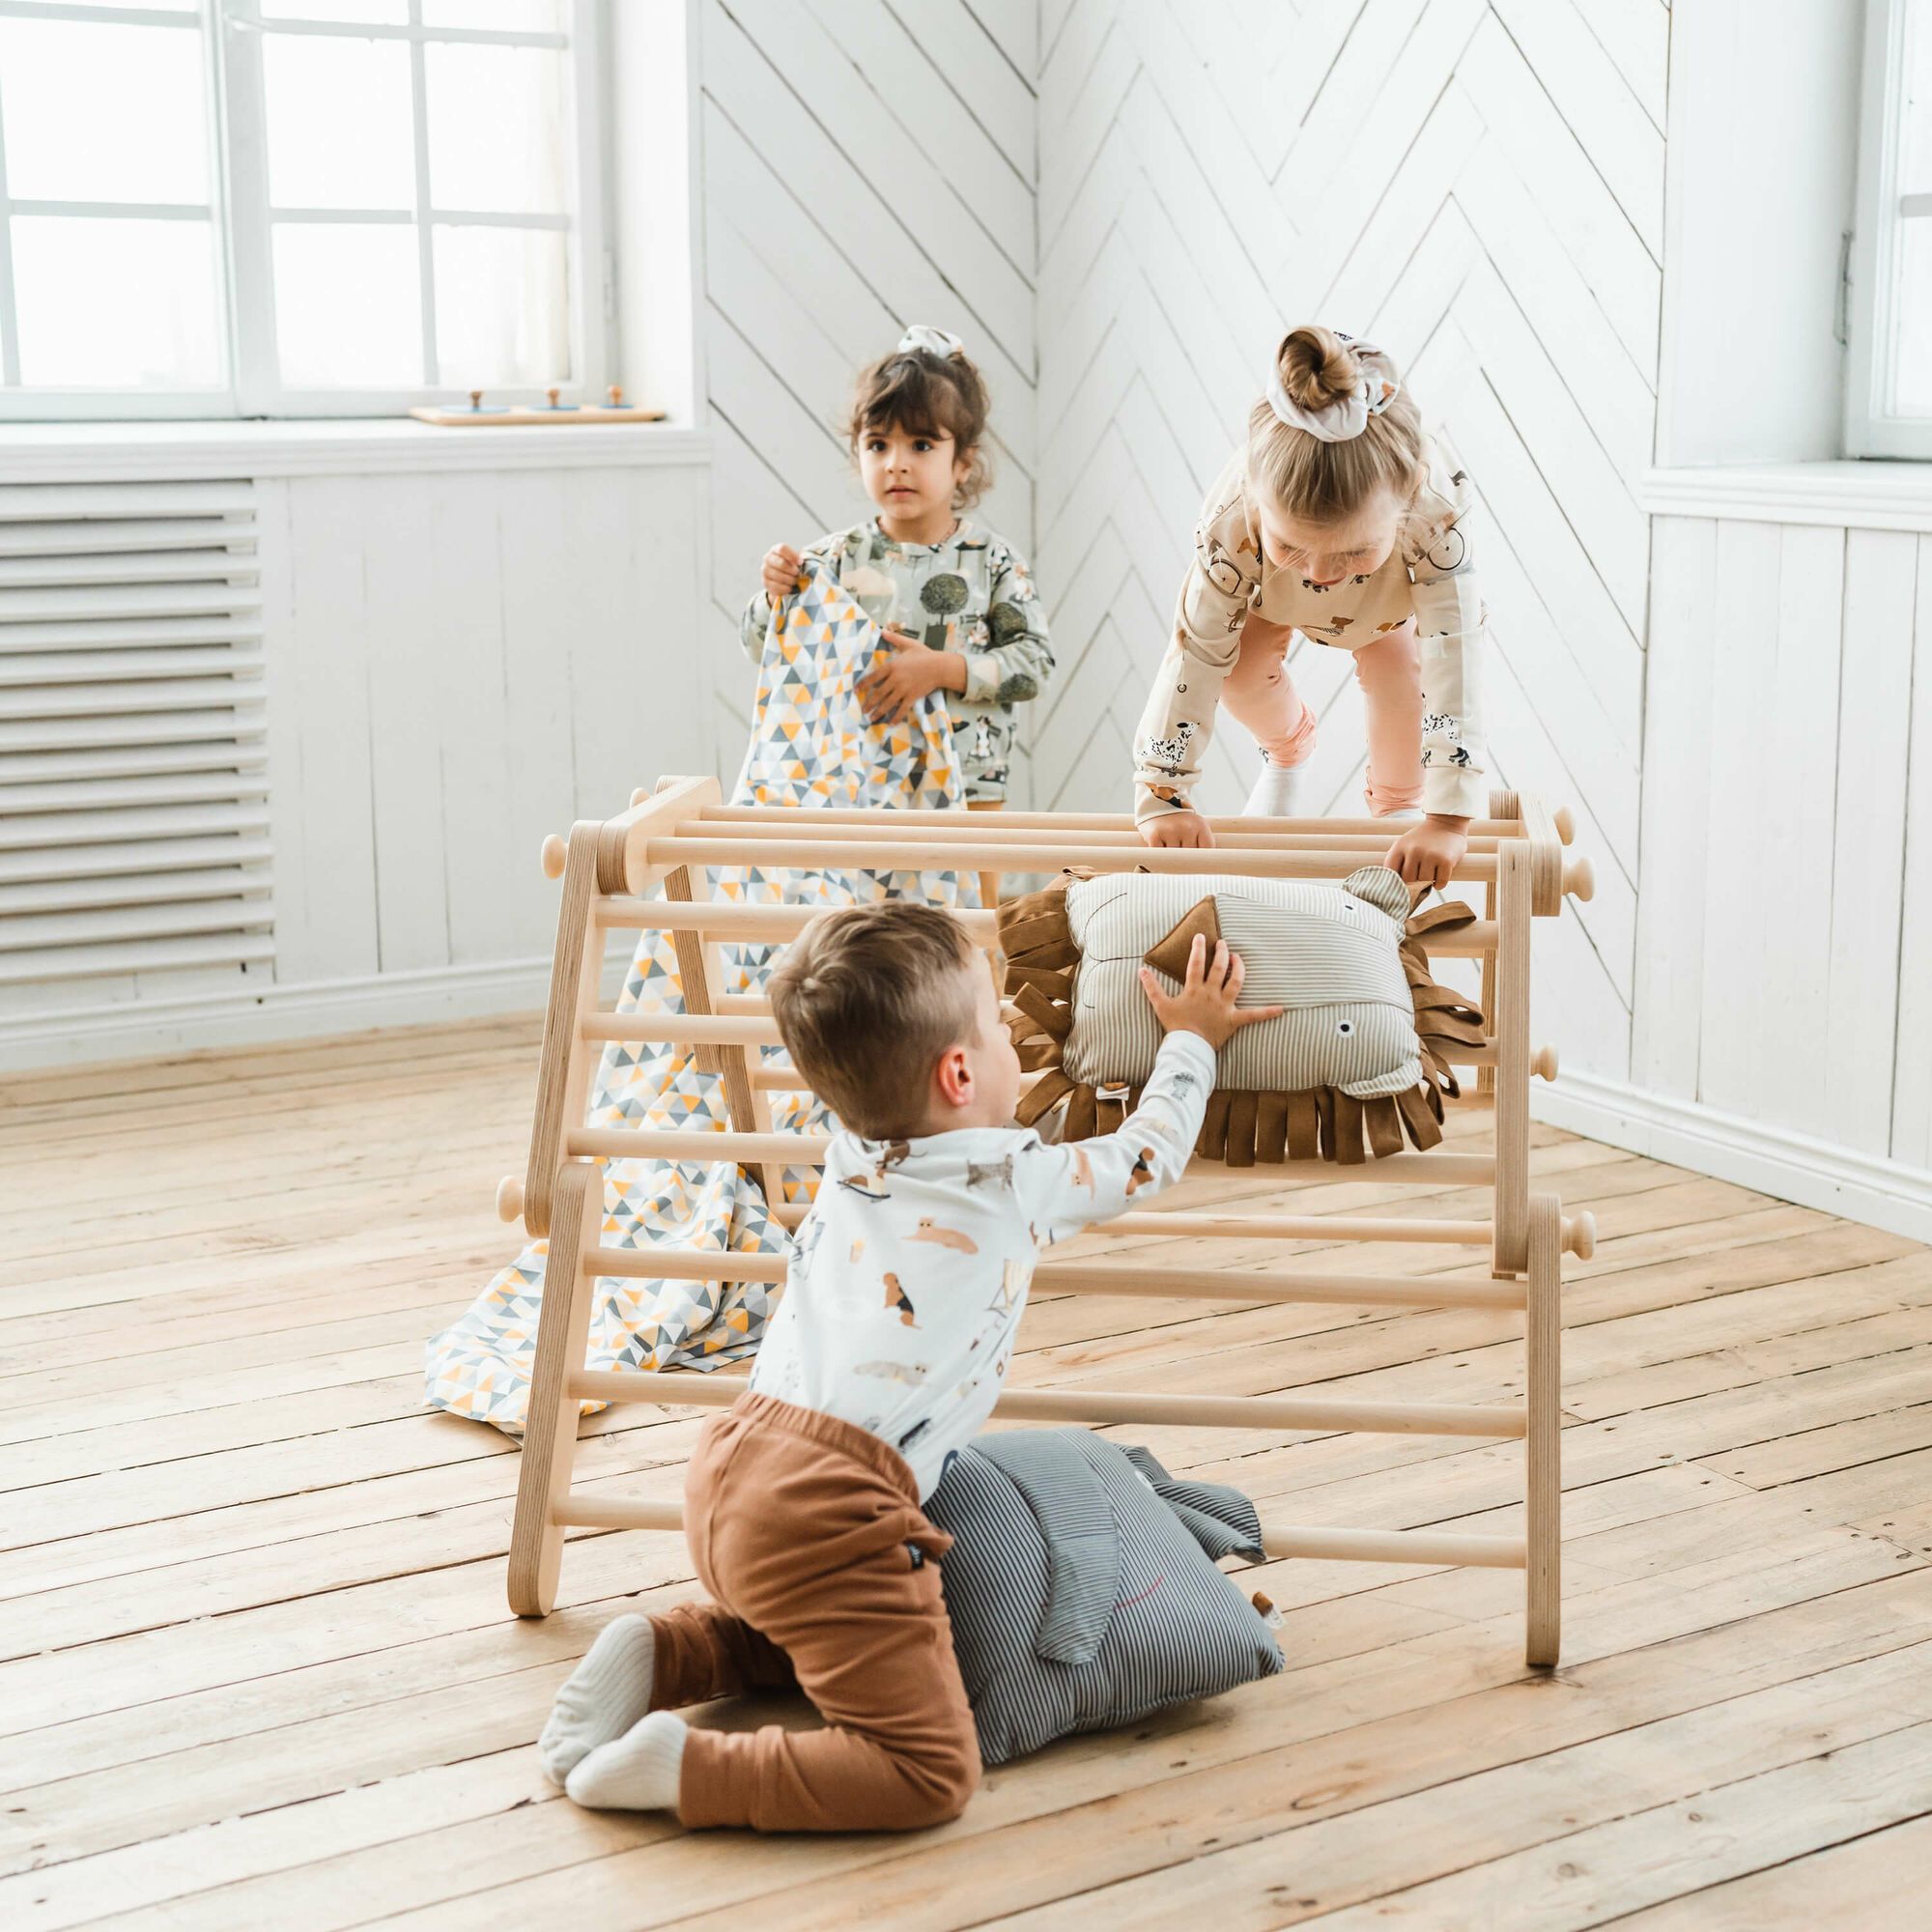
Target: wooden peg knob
[[1579, 880], [476, 399], [1565, 822], [555, 853], [1543, 1063], [509, 1198], [552, 395], [1579, 1236], [639, 796], [615, 395]]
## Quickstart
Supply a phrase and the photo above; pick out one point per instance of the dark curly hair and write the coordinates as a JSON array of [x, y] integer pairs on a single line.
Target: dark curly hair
[[920, 393]]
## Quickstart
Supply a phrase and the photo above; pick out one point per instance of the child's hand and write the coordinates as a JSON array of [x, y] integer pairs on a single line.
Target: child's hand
[[780, 570], [1178, 828], [1205, 1002], [915, 672], [1428, 853]]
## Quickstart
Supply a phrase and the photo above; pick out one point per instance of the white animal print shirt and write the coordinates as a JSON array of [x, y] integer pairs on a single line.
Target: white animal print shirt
[[1430, 576], [910, 1272]]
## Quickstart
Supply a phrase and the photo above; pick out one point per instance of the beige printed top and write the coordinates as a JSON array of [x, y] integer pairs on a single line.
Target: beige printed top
[[1429, 576]]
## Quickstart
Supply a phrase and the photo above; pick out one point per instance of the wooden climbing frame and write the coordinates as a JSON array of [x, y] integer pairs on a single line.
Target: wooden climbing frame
[[646, 870]]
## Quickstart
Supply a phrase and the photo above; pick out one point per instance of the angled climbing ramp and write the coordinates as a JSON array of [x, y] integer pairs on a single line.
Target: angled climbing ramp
[[650, 869]]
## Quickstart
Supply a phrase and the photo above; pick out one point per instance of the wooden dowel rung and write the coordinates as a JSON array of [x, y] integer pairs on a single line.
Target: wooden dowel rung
[[717, 919], [1392, 1546], [682, 1029], [1445, 1170], [1303, 1227], [1105, 1408], [1270, 1285], [1063, 822], [1316, 837], [909, 852], [1274, 1285], [776, 925], [577, 1512], [1279, 1539], [653, 1143]]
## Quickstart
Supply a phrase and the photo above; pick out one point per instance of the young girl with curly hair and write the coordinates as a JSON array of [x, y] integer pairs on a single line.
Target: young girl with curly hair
[[956, 600]]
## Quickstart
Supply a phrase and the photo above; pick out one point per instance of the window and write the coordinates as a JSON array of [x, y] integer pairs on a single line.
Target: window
[[297, 207], [1889, 394]]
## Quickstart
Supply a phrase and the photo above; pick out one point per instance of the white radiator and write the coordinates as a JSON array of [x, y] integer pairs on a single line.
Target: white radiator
[[133, 808]]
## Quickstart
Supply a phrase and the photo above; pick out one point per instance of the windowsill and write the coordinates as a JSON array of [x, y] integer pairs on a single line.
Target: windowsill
[[132, 452], [1871, 496]]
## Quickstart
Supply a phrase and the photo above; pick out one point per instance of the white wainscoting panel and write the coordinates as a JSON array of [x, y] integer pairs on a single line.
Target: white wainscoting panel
[[1786, 906], [454, 665]]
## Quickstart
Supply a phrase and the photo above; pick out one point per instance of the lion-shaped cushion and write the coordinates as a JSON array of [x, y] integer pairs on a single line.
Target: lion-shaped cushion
[[1359, 1058]]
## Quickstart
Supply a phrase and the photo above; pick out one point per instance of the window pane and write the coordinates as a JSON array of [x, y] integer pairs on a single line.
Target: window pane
[[381, 12], [340, 123], [501, 307], [106, 303], [1912, 373], [496, 129], [543, 16], [1914, 129], [103, 112], [348, 305]]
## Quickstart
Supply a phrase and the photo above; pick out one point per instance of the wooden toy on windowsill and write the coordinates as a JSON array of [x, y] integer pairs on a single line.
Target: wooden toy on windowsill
[[612, 409]]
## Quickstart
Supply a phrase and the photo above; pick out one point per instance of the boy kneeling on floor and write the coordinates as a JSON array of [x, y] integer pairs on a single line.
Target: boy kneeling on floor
[[802, 1502]]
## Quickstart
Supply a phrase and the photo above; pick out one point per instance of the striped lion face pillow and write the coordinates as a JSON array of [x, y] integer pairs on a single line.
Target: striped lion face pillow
[[1358, 1060]]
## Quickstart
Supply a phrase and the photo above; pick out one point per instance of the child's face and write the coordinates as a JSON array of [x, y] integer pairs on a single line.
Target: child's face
[[1325, 554], [910, 477], [979, 1080]]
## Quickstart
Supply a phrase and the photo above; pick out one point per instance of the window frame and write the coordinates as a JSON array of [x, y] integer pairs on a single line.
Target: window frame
[[233, 33], [1870, 429]]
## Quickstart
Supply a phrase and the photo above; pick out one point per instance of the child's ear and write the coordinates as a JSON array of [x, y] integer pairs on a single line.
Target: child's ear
[[954, 1077]]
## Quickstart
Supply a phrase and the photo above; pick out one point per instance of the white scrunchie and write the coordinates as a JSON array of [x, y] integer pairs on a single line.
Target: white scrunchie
[[1347, 416], [934, 341]]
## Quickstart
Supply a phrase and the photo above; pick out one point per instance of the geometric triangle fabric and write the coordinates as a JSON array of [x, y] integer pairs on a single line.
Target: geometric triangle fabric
[[810, 746]]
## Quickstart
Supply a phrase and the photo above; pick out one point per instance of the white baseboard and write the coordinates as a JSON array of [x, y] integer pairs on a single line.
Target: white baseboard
[[1773, 1160], [141, 1028]]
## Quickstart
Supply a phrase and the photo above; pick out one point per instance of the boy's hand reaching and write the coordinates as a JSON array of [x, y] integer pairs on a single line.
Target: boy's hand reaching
[[779, 571], [1205, 1002]]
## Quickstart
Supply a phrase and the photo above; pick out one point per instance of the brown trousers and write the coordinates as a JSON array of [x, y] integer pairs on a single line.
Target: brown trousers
[[806, 1533]]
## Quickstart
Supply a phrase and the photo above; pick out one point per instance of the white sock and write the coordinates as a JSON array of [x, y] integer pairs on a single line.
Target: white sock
[[607, 1694], [1403, 811], [1274, 792], [637, 1772]]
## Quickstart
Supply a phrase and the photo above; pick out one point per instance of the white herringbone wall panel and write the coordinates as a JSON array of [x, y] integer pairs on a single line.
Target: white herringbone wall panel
[[1479, 186], [864, 163]]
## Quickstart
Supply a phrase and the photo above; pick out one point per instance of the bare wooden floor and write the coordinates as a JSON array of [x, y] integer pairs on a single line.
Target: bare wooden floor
[[260, 1672]]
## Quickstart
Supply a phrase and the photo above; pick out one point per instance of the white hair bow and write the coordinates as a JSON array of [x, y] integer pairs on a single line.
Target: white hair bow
[[934, 341], [1347, 416]]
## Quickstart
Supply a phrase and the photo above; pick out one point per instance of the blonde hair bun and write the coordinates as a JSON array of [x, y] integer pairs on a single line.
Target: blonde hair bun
[[1317, 367]]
